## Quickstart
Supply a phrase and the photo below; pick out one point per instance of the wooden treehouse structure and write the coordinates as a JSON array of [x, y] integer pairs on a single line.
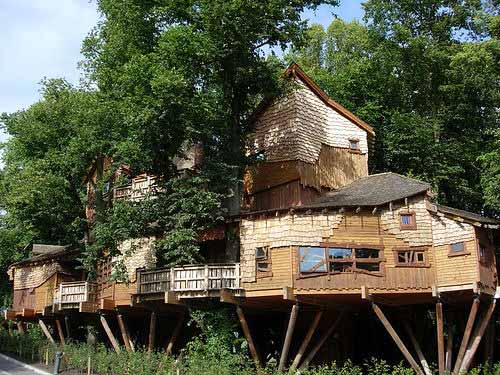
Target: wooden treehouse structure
[[323, 250]]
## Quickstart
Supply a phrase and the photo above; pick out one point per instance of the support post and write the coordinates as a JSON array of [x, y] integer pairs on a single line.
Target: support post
[[152, 332], [467, 333], [20, 328], [306, 341], [248, 336], [418, 349], [288, 338], [46, 331], [66, 324], [476, 339], [124, 333], [440, 337], [111, 337], [396, 339], [175, 334], [60, 332], [449, 345], [320, 343]]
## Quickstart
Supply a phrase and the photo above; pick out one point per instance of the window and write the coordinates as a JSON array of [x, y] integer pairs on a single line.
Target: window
[[339, 260], [407, 221], [354, 144], [263, 262], [411, 258], [457, 248]]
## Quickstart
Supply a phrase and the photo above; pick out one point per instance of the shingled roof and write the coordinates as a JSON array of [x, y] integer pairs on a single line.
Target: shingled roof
[[374, 190], [466, 215], [57, 252]]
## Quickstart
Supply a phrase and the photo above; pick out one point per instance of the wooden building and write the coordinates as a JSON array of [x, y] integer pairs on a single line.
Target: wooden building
[[320, 241]]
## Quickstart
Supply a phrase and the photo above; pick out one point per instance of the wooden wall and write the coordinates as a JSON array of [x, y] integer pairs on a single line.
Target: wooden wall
[[487, 264], [23, 298]]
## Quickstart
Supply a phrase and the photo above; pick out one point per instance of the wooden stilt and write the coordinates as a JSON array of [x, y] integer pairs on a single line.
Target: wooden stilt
[[489, 347], [175, 334], [124, 333], [46, 331], [440, 337], [20, 328], [396, 339], [476, 339], [306, 341], [288, 338], [66, 325], [152, 332], [110, 335], [467, 333], [418, 349], [60, 332], [449, 345], [320, 343], [248, 336]]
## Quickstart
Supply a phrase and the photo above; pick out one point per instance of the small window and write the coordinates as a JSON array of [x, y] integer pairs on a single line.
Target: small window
[[411, 258], [263, 262], [458, 247], [354, 144], [407, 221], [312, 259]]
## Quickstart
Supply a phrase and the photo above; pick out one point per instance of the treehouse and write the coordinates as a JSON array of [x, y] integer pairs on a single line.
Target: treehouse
[[37, 280]]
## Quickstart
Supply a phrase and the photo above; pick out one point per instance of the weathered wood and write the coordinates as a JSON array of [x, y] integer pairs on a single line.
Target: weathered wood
[[46, 331], [175, 334], [288, 294], [28, 313], [60, 332], [248, 336], [396, 339], [288, 338], [20, 328], [152, 332], [227, 296], [171, 298], [467, 333], [320, 343], [306, 340], [110, 335], [124, 333], [440, 337], [418, 349], [449, 345], [67, 326], [476, 339]]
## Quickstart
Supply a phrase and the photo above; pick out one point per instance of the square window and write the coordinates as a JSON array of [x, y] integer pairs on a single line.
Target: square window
[[458, 247], [261, 253], [312, 259], [407, 221], [354, 144]]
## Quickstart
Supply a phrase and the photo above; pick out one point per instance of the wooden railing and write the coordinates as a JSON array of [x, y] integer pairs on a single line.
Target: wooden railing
[[192, 278], [71, 294], [137, 190]]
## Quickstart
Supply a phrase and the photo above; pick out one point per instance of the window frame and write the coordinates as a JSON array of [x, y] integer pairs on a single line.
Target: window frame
[[412, 225], [357, 149], [452, 253], [424, 264], [263, 260], [353, 260]]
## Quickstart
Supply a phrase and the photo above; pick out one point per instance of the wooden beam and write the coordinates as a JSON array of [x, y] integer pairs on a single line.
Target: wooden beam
[[20, 328], [306, 340], [60, 332], [288, 294], [227, 296], [449, 345], [418, 349], [440, 337], [467, 333], [46, 331], [110, 335], [476, 339], [28, 313], [152, 332], [67, 326], [124, 332], [248, 336], [171, 298], [175, 334], [396, 339], [320, 343], [288, 338]]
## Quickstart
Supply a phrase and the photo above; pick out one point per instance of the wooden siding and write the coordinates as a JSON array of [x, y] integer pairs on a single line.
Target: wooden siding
[[23, 298], [281, 263], [487, 264], [456, 270]]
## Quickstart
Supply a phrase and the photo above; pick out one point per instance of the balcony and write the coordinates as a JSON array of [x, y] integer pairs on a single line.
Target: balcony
[[189, 281], [80, 295], [140, 187]]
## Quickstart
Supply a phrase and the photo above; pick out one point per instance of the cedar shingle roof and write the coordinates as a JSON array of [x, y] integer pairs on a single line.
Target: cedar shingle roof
[[374, 190], [466, 215], [62, 251]]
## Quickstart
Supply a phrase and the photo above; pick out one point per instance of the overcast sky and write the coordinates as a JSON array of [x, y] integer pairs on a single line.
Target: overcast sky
[[42, 38]]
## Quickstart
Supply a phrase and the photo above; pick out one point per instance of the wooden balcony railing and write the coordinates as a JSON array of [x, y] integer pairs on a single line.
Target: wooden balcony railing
[[137, 190], [71, 294], [192, 278]]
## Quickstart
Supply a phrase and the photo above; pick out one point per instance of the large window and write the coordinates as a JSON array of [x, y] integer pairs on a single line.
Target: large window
[[334, 260]]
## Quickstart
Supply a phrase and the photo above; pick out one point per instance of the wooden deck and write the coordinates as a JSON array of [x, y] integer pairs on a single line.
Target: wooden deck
[[72, 295], [137, 190], [189, 281]]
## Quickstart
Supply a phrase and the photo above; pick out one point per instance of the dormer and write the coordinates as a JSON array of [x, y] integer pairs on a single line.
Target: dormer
[[304, 144]]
